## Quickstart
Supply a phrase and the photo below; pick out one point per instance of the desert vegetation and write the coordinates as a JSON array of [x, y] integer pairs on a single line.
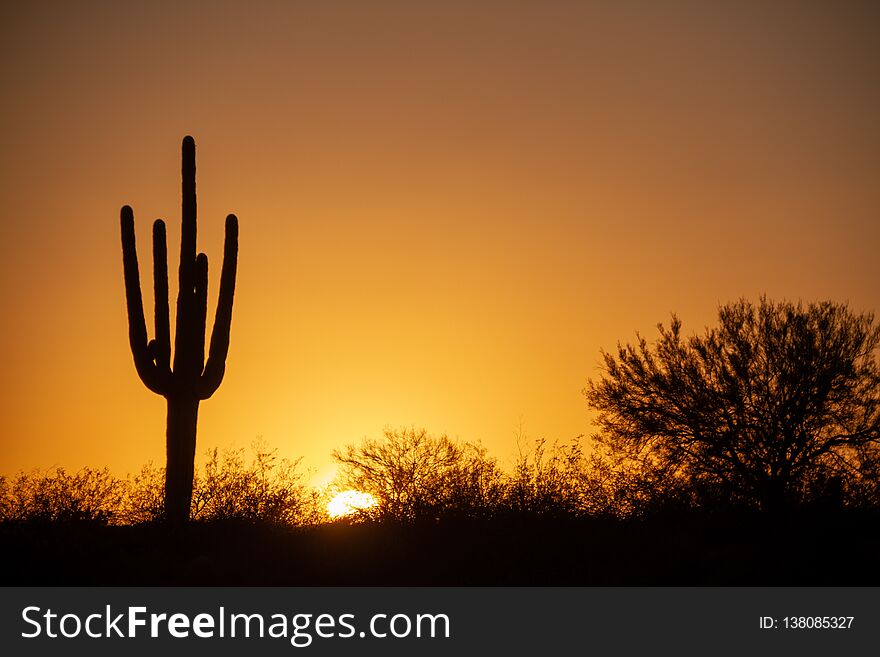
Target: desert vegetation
[[744, 455], [414, 477], [561, 513], [261, 488]]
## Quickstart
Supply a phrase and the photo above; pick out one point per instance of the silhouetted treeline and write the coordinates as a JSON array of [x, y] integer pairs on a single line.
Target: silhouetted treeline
[[749, 454], [414, 477], [448, 514], [265, 489]]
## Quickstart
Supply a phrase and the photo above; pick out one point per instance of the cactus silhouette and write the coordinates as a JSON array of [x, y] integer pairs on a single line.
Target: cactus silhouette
[[191, 379]]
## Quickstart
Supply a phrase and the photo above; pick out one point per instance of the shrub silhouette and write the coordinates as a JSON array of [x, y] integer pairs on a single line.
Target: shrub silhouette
[[145, 496], [58, 496], [268, 489], [416, 476], [778, 405], [192, 379], [550, 479], [565, 479], [456, 481]]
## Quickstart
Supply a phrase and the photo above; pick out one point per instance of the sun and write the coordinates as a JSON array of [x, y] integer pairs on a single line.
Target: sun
[[348, 502]]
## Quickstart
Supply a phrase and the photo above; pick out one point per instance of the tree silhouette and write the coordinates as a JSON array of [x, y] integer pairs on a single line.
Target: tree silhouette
[[775, 400], [191, 379], [417, 476]]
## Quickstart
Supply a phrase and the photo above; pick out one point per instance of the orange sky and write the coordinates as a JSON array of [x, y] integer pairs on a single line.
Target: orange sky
[[446, 210]]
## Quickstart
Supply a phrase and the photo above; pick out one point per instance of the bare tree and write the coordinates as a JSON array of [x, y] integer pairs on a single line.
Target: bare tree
[[778, 396], [414, 475]]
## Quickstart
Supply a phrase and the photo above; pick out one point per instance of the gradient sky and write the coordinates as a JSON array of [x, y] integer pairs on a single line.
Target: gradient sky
[[447, 208]]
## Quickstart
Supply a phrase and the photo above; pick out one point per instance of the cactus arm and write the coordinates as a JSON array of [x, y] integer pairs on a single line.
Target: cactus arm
[[201, 311], [216, 365], [162, 344], [137, 327]]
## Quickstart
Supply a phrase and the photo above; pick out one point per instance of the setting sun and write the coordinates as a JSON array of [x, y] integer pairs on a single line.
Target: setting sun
[[348, 502]]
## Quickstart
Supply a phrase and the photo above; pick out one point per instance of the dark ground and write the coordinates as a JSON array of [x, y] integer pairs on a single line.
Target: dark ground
[[801, 549]]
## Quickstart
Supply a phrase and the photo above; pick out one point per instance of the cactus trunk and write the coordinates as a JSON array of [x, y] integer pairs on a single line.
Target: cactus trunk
[[192, 378], [180, 454]]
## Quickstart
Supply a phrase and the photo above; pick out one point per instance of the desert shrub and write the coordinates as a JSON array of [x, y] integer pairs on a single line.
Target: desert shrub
[[549, 479], [475, 486], [145, 496], [59, 496], [416, 476], [267, 489], [229, 487], [572, 480]]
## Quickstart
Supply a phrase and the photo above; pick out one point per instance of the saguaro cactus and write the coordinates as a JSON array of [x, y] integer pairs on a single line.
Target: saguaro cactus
[[191, 379]]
